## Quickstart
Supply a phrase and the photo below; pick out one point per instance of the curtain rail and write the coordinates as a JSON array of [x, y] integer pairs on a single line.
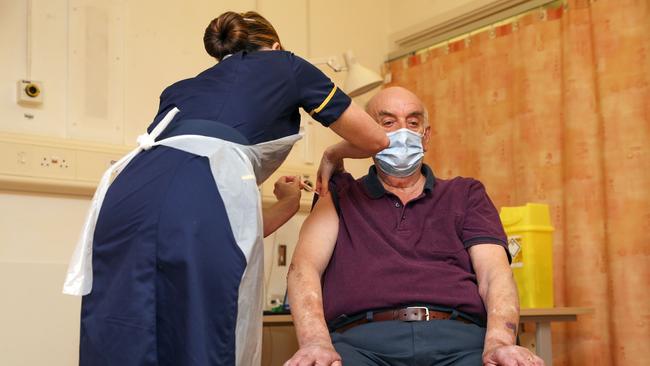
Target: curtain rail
[[464, 24]]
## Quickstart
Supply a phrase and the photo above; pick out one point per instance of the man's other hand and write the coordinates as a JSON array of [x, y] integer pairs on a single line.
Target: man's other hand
[[329, 165], [315, 355], [511, 356]]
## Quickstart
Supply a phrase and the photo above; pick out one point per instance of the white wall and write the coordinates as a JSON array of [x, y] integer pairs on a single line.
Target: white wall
[[275, 275], [48, 39], [406, 14], [137, 48]]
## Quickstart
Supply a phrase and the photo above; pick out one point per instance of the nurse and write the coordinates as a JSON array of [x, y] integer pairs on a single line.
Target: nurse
[[170, 259]]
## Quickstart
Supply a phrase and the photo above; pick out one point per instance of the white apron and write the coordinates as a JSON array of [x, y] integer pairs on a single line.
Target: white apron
[[237, 170]]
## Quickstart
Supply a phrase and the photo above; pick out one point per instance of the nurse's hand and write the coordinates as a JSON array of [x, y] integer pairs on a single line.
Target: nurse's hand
[[315, 355], [287, 191], [287, 188]]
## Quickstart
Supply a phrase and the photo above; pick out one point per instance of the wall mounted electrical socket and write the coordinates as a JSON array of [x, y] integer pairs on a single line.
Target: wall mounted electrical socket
[[54, 165], [29, 92]]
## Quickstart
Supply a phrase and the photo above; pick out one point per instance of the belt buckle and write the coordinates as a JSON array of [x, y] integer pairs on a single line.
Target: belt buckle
[[426, 310]]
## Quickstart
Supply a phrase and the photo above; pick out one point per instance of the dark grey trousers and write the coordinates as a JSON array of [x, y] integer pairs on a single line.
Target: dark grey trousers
[[397, 343]]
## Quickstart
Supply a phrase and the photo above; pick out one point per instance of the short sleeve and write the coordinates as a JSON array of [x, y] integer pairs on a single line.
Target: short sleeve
[[482, 224], [338, 185], [317, 94]]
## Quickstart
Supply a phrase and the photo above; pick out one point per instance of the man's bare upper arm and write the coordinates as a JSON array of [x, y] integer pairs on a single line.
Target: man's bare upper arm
[[318, 236], [488, 259]]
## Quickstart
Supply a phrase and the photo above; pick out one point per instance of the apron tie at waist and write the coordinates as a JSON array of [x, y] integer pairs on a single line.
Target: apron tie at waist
[[145, 141]]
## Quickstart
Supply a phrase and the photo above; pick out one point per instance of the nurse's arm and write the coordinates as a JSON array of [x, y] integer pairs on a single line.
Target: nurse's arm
[[357, 127], [363, 138], [287, 191], [311, 256]]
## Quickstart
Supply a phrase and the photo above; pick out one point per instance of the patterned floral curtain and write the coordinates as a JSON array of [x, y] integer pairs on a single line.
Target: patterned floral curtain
[[554, 107]]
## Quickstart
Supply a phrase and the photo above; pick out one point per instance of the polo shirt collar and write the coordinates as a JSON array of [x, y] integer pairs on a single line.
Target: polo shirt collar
[[376, 190]]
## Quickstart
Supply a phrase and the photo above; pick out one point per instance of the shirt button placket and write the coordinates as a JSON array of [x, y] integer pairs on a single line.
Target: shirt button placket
[[399, 221]]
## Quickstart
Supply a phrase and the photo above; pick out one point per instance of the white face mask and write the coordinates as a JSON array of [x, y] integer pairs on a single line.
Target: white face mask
[[404, 154]]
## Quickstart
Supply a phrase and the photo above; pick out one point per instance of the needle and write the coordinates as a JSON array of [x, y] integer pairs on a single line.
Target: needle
[[304, 185]]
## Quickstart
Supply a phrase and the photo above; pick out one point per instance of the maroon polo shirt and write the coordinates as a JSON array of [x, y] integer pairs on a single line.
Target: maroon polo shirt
[[389, 255]]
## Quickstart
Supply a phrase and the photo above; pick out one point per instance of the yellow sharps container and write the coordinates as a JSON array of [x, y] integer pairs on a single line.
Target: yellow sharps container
[[530, 241]]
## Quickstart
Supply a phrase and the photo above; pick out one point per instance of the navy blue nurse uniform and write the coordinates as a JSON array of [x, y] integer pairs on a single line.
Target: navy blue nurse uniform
[[166, 267]]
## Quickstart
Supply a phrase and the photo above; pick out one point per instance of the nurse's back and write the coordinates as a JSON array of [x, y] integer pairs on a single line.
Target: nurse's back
[[257, 91]]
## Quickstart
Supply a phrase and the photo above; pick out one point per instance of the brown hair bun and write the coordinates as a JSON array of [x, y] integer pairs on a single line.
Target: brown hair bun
[[225, 35], [233, 32]]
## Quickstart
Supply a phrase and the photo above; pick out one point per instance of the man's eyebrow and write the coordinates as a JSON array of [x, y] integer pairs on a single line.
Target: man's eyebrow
[[416, 114], [383, 112]]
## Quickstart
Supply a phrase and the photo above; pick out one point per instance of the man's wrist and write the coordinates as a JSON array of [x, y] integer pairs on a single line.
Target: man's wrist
[[492, 343], [314, 334], [326, 343], [310, 323]]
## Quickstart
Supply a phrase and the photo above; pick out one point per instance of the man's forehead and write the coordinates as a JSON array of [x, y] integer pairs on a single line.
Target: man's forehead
[[400, 107], [396, 101]]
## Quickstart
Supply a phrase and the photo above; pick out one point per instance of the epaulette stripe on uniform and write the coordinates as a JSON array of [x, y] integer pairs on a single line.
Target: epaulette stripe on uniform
[[322, 105]]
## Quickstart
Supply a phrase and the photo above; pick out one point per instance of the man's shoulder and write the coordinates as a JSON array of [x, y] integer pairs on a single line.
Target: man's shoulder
[[344, 180], [458, 181], [460, 187]]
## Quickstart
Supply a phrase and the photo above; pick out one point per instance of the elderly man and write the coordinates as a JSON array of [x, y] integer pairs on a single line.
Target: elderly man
[[403, 268]]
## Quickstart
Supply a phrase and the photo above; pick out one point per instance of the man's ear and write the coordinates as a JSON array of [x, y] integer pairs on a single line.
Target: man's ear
[[426, 136], [276, 46]]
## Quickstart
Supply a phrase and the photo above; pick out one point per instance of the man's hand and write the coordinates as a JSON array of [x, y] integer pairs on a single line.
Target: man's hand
[[510, 356], [315, 355]]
